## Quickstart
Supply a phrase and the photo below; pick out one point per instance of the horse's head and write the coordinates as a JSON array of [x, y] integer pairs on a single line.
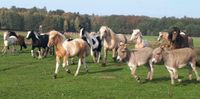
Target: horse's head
[[104, 31], [30, 34], [136, 33], [122, 52], [55, 37], [174, 34], [162, 35], [82, 32]]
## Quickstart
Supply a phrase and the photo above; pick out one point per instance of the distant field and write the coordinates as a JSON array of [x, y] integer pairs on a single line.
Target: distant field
[[24, 77]]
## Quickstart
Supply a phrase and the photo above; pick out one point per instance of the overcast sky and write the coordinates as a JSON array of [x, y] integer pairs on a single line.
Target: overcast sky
[[152, 8]]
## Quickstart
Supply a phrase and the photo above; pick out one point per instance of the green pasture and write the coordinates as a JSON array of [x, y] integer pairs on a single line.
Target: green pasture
[[24, 77]]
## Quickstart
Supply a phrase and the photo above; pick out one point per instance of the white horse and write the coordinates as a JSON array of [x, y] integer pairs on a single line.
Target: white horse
[[8, 41], [110, 41], [138, 38], [95, 43]]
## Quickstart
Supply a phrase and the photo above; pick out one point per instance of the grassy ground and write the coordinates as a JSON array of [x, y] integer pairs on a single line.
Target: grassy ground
[[24, 77]]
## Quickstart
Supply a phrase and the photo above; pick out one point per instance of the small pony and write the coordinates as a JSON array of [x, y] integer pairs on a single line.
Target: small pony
[[178, 40], [140, 42], [66, 49], [94, 42], [39, 41], [110, 41], [163, 37], [10, 38]]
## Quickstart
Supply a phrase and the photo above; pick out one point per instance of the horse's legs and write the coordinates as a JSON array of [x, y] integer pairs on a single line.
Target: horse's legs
[[93, 55], [114, 54], [98, 56], [46, 51], [171, 74], [57, 66], [39, 52], [133, 72], [65, 61], [150, 71], [85, 65], [79, 65], [193, 65], [32, 51], [4, 50], [105, 56]]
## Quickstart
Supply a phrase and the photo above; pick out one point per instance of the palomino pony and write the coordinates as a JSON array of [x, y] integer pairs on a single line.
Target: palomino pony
[[39, 41], [110, 41], [11, 39], [94, 42], [138, 38], [65, 49]]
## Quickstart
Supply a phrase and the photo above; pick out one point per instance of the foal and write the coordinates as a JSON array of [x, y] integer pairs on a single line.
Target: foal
[[66, 49]]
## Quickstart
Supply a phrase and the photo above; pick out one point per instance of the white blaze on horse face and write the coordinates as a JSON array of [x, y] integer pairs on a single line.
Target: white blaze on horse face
[[159, 37], [81, 32], [29, 32]]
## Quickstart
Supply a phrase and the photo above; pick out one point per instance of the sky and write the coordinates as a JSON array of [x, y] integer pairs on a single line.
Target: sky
[[152, 8]]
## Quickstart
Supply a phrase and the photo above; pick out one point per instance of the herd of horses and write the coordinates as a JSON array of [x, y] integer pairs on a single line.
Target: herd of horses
[[92, 43]]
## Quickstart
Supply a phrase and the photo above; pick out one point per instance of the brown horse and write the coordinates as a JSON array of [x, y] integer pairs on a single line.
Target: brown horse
[[178, 40], [110, 41], [66, 49], [163, 37]]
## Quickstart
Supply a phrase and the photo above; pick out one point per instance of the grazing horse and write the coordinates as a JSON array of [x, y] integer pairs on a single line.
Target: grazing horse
[[10, 38], [110, 41], [94, 42], [65, 49], [178, 40], [138, 38], [39, 41]]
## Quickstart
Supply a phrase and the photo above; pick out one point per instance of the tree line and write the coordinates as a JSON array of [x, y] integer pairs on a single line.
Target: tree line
[[23, 19]]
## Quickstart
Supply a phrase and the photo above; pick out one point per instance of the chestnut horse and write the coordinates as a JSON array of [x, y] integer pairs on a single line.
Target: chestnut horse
[[110, 41], [66, 49]]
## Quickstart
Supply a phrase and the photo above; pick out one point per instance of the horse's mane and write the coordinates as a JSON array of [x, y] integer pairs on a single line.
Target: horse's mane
[[110, 32], [58, 34]]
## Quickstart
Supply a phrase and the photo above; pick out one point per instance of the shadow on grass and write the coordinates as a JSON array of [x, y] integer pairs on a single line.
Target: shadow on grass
[[12, 67], [106, 70]]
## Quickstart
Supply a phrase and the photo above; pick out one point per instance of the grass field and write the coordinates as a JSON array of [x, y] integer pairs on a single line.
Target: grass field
[[24, 77]]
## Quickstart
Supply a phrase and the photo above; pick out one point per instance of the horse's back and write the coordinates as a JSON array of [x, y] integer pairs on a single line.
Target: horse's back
[[77, 47], [121, 38]]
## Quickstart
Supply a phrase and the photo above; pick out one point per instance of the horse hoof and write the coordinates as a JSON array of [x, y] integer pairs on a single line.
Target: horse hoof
[[179, 80], [68, 71], [55, 76], [114, 59], [103, 64], [75, 74]]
